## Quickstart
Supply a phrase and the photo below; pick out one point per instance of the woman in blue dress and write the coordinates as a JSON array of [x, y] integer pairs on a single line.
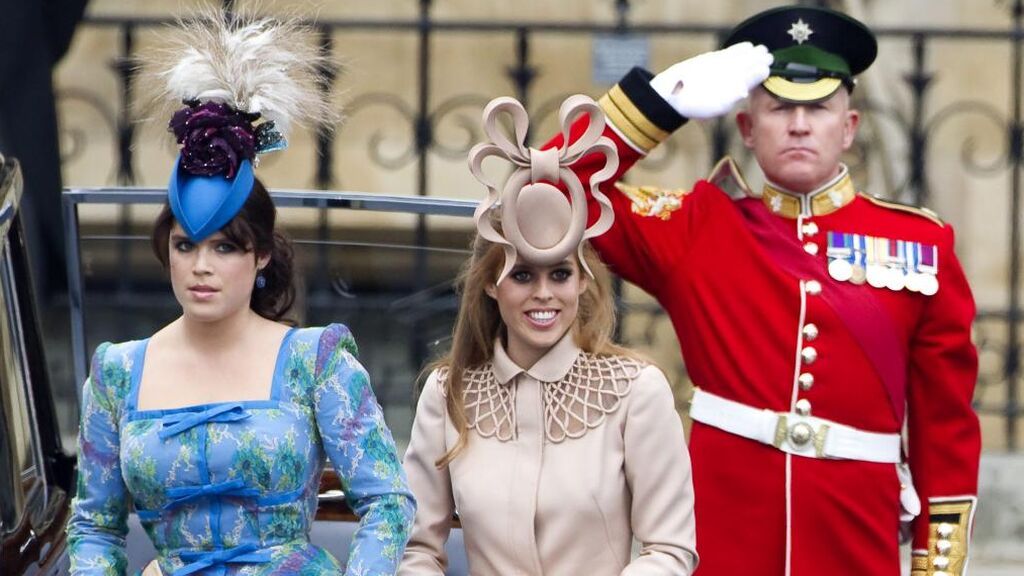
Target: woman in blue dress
[[215, 429]]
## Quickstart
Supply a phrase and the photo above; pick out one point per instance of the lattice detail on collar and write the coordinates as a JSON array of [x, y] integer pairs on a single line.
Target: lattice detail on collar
[[490, 407], [592, 389]]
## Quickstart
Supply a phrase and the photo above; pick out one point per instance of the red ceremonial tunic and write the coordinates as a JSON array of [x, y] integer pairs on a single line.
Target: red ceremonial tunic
[[744, 280]]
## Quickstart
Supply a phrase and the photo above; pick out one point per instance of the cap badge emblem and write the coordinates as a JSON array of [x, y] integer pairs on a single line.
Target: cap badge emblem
[[800, 31]]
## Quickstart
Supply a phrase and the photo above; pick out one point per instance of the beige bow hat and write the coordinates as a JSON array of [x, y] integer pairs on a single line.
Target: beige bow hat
[[539, 221]]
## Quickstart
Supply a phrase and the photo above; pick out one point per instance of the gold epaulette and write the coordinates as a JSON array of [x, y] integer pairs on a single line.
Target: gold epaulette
[[653, 201], [892, 204]]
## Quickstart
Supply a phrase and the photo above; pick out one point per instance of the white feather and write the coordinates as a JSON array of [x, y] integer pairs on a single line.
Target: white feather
[[257, 65]]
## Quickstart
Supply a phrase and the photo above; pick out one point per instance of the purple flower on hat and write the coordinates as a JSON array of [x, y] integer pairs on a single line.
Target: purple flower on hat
[[214, 138]]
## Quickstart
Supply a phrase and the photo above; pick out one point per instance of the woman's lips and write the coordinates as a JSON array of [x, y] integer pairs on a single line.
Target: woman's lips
[[541, 318], [202, 292]]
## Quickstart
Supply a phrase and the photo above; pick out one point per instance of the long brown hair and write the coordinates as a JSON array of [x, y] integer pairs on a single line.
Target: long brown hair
[[479, 322]]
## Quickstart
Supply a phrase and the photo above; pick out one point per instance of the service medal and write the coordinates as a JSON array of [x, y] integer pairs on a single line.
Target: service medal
[[839, 255], [897, 265], [840, 270], [875, 271], [928, 264], [877, 275], [913, 279], [929, 285], [895, 279], [857, 274], [913, 282]]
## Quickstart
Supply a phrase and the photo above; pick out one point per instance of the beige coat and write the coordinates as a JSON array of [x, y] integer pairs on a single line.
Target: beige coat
[[567, 462]]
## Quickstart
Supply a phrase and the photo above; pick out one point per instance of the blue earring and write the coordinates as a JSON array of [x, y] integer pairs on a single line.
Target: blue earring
[[261, 281]]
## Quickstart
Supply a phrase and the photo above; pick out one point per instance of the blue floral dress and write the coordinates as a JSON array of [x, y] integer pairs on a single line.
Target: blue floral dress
[[231, 488]]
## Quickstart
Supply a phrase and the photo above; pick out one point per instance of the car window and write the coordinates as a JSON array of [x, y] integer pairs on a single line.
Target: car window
[[369, 271]]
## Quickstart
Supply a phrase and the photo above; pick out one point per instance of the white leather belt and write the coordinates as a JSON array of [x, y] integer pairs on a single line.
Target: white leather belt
[[792, 433]]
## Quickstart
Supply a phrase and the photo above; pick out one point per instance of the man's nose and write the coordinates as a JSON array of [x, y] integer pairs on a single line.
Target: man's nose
[[798, 120]]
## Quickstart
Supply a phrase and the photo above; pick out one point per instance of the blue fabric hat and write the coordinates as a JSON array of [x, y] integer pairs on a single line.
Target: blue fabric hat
[[205, 204]]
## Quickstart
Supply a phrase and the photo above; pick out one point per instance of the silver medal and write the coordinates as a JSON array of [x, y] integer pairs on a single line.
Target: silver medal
[[876, 275], [840, 269], [913, 281], [929, 284], [895, 280]]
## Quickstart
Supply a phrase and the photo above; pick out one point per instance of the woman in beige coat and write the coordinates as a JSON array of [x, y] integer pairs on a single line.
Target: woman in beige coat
[[555, 446]]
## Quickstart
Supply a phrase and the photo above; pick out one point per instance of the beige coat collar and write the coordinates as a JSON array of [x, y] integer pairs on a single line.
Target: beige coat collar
[[552, 367]]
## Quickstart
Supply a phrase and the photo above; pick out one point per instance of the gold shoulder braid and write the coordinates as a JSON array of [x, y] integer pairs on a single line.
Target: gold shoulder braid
[[911, 209], [593, 388], [652, 201]]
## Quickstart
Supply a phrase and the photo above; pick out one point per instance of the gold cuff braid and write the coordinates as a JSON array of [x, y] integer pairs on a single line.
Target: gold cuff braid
[[949, 532], [631, 122]]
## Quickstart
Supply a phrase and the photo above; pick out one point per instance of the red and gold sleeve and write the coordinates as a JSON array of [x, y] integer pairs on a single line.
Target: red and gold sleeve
[[943, 430], [640, 245]]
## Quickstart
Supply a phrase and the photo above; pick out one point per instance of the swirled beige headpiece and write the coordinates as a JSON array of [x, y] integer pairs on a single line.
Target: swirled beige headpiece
[[538, 221]]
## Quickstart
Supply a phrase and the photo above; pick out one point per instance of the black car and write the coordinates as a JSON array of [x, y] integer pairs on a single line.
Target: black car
[[36, 476]]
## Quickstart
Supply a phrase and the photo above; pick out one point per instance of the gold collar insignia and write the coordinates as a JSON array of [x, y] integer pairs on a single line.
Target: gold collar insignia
[[827, 199]]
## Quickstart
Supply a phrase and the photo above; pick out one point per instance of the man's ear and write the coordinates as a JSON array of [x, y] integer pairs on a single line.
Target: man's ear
[[850, 127], [745, 124]]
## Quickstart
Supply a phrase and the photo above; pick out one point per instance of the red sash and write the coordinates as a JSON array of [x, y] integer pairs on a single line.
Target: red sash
[[865, 317]]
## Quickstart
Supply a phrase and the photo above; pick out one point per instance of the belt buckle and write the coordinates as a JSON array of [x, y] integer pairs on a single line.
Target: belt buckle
[[800, 434]]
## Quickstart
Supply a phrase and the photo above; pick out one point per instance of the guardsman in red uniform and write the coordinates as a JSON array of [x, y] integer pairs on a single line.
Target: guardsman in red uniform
[[815, 320]]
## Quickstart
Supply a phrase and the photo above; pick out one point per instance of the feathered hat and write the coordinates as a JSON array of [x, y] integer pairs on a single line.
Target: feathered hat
[[540, 222], [244, 81]]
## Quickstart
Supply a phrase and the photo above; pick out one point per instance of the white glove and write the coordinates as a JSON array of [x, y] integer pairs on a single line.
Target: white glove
[[709, 84]]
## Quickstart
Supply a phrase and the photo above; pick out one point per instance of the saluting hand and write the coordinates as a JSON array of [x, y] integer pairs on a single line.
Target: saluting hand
[[709, 84]]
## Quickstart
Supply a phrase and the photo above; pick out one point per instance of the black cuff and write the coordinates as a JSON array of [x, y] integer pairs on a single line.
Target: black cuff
[[637, 86]]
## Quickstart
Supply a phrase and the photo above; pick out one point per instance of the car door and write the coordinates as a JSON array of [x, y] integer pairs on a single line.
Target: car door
[[35, 475]]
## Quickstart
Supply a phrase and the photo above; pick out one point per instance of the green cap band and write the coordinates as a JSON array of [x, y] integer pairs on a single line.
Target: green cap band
[[805, 60]]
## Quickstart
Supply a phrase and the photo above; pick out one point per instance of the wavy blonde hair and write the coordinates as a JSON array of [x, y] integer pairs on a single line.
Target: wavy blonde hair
[[479, 323]]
